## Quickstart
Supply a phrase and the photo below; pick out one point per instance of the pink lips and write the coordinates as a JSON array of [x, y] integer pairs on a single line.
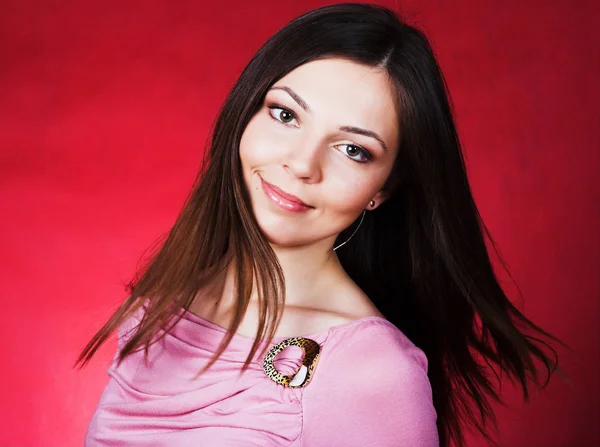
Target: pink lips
[[282, 199]]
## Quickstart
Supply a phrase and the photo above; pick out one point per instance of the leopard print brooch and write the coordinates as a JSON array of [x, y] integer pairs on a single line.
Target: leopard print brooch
[[301, 378]]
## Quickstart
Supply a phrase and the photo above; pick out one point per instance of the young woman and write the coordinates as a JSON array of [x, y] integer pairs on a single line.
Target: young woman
[[332, 215]]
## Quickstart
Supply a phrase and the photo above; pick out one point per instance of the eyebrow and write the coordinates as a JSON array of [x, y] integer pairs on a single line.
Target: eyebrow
[[350, 129]]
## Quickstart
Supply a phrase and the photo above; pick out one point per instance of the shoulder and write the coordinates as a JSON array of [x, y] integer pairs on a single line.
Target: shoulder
[[376, 342], [370, 387], [375, 355]]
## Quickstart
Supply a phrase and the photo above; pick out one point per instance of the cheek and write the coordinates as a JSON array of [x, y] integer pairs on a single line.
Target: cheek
[[256, 144], [347, 195]]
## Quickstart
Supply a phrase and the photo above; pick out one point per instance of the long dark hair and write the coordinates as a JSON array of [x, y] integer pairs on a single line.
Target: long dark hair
[[421, 256]]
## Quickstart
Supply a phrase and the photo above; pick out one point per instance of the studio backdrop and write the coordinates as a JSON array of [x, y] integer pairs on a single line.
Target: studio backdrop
[[104, 111]]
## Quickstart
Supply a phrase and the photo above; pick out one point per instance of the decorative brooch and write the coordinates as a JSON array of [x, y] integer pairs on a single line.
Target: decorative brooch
[[301, 377]]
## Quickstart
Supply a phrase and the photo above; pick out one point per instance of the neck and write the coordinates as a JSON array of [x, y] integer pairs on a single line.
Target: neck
[[311, 272]]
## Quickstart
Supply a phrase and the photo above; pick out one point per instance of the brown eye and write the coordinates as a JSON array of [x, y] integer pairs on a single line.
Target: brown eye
[[282, 115], [285, 116], [355, 153]]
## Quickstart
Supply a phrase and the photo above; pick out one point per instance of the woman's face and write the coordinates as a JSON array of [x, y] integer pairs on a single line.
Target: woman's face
[[319, 150]]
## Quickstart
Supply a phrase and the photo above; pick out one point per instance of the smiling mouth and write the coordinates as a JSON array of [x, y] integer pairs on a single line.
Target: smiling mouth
[[283, 200]]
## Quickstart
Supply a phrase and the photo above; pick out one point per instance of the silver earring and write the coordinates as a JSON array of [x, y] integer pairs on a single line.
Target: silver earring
[[361, 221], [372, 203]]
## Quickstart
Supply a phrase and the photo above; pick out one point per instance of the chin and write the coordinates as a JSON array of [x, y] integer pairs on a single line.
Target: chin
[[280, 230]]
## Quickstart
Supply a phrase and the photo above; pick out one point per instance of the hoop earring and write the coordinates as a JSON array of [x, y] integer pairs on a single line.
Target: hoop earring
[[361, 221]]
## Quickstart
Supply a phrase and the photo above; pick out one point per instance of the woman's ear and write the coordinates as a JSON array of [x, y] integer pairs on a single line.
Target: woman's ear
[[390, 186], [378, 199]]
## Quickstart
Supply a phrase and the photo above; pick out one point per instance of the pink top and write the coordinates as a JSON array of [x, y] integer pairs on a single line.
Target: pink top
[[369, 388]]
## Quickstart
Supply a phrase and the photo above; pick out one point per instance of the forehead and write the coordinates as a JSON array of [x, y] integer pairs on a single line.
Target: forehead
[[348, 93]]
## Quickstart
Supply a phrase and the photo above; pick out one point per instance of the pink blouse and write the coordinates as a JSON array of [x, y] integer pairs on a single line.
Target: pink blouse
[[369, 388]]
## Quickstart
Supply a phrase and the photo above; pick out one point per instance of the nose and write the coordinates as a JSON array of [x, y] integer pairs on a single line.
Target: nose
[[304, 161]]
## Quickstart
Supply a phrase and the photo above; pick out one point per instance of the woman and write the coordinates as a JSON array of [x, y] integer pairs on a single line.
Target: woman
[[332, 213]]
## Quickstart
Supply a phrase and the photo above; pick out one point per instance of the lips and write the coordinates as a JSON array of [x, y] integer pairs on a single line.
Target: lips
[[282, 199]]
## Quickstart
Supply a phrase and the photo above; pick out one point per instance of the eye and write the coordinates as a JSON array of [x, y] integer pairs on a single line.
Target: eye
[[355, 152], [281, 114]]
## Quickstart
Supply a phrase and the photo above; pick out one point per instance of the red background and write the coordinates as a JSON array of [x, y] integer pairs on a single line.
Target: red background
[[104, 109]]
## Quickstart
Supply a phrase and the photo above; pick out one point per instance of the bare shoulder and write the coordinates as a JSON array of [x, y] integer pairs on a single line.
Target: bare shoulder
[[352, 303], [346, 304]]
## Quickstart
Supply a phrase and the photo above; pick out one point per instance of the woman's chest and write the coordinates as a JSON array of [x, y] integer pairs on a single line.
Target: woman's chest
[[295, 321], [160, 403]]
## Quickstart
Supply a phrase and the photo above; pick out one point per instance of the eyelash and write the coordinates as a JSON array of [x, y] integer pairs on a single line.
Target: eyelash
[[365, 154]]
